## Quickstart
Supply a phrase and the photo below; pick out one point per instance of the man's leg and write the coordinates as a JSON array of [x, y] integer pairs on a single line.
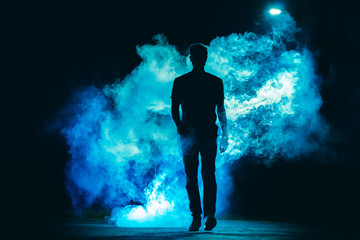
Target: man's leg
[[208, 155], [191, 163]]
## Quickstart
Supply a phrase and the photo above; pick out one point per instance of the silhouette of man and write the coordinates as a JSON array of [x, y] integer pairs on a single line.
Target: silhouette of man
[[199, 94]]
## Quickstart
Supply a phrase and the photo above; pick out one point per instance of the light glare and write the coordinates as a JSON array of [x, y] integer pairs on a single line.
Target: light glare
[[275, 11]]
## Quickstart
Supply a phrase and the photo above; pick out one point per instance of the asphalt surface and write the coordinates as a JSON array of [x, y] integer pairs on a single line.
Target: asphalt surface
[[226, 229]]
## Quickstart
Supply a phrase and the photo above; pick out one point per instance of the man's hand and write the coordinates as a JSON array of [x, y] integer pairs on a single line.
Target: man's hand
[[182, 130], [224, 143]]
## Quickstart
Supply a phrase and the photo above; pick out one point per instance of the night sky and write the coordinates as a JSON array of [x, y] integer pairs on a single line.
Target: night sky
[[50, 50]]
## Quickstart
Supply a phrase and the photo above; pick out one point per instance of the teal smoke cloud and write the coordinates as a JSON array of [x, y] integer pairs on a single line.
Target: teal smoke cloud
[[124, 145]]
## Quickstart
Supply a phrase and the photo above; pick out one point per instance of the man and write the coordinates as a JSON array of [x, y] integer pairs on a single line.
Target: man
[[199, 94]]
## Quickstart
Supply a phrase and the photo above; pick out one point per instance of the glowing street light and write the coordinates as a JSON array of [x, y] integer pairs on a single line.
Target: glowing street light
[[275, 11]]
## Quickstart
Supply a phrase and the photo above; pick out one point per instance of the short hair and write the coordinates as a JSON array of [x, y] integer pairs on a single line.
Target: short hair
[[198, 54], [198, 50]]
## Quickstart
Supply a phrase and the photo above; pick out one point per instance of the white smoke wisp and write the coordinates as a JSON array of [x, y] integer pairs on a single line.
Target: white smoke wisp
[[124, 145]]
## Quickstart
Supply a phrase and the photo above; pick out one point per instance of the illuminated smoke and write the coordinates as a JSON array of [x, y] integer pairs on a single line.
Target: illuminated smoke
[[124, 145]]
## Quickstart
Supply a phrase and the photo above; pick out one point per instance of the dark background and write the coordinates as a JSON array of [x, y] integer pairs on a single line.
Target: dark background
[[49, 50]]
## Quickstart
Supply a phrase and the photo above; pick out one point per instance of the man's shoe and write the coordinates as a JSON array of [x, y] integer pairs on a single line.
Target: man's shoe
[[210, 223], [196, 224]]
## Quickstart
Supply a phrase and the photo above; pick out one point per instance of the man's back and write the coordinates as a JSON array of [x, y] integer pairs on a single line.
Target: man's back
[[199, 93]]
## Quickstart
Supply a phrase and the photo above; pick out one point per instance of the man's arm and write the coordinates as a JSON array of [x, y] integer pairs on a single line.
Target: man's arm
[[175, 103], [223, 120], [175, 113]]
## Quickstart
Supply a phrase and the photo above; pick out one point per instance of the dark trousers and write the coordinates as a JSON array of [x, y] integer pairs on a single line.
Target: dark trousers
[[191, 146]]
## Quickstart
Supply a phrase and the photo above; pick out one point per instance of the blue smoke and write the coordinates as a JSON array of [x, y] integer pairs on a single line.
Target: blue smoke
[[124, 145]]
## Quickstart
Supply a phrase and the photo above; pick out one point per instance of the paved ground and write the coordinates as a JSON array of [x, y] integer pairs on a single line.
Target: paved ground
[[226, 229]]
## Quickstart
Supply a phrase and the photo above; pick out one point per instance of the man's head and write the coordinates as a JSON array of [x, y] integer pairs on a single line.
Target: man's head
[[198, 55]]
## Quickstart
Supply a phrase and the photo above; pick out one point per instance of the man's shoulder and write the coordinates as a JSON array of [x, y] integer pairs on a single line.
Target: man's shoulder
[[189, 76], [183, 77], [214, 78]]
